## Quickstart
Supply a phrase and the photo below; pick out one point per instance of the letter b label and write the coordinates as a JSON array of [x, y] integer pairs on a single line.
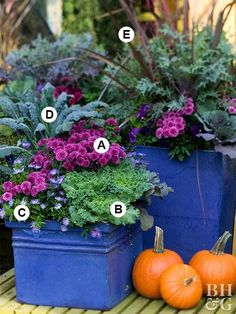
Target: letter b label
[[118, 209]]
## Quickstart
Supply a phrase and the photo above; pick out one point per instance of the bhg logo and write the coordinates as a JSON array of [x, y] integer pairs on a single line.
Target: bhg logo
[[213, 300]]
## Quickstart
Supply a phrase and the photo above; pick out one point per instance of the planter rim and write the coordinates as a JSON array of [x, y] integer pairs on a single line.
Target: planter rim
[[165, 148], [55, 225]]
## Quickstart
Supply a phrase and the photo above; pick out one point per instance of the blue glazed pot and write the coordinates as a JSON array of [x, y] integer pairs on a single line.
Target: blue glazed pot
[[65, 269], [202, 206]]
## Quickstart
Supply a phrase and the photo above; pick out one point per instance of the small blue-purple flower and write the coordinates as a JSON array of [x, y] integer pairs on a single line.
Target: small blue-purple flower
[[17, 169], [23, 202], [43, 206], [133, 134], [59, 198], [66, 221], [2, 213], [34, 227], [26, 145], [144, 110], [40, 88], [96, 233], [58, 206], [34, 201], [54, 172], [63, 228], [60, 179]]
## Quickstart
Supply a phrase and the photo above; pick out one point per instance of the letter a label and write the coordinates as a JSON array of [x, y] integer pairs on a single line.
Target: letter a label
[[101, 145]]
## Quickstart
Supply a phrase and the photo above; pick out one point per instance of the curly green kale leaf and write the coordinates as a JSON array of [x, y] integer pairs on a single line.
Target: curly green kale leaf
[[91, 193]]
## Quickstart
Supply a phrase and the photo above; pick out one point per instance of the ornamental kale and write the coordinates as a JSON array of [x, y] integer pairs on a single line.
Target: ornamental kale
[[91, 194]]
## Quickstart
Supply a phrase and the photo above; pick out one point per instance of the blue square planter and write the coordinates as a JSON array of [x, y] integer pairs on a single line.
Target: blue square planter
[[65, 269], [202, 206]]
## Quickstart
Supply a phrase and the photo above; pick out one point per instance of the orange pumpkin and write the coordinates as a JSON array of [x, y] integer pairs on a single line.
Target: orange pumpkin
[[149, 266], [216, 269], [181, 287]]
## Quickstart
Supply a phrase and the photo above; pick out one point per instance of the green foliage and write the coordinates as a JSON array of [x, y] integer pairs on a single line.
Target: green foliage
[[42, 62], [23, 116], [78, 16], [181, 68], [91, 194]]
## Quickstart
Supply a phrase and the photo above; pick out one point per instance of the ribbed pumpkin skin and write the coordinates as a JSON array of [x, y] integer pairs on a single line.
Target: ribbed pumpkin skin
[[215, 269], [148, 268], [174, 290]]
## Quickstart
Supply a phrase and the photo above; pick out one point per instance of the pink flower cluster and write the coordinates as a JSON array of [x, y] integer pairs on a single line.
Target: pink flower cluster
[[232, 106], [78, 149], [35, 183], [72, 152], [171, 124]]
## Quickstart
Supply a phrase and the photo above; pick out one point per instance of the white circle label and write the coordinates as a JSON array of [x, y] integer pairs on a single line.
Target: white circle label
[[126, 34], [118, 209], [49, 114], [21, 212], [101, 145]]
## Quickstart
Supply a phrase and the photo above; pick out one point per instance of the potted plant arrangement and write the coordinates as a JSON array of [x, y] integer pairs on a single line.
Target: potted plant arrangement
[[179, 111], [71, 242]]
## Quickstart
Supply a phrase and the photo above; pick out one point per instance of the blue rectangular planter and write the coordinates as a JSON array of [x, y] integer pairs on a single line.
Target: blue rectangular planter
[[66, 269], [202, 206]]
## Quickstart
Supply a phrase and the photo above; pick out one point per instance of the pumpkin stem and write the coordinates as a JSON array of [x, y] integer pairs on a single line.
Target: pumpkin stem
[[158, 242], [188, 281], [219, 247]]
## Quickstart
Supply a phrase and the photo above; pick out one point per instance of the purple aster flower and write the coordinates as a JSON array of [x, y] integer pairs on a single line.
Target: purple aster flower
[[63, 228], [61, 192], [96, 233], [66, 221], [43, 206]]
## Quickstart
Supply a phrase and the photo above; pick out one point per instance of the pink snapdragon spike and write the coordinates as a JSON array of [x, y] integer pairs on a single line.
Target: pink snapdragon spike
[[172, 124]]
